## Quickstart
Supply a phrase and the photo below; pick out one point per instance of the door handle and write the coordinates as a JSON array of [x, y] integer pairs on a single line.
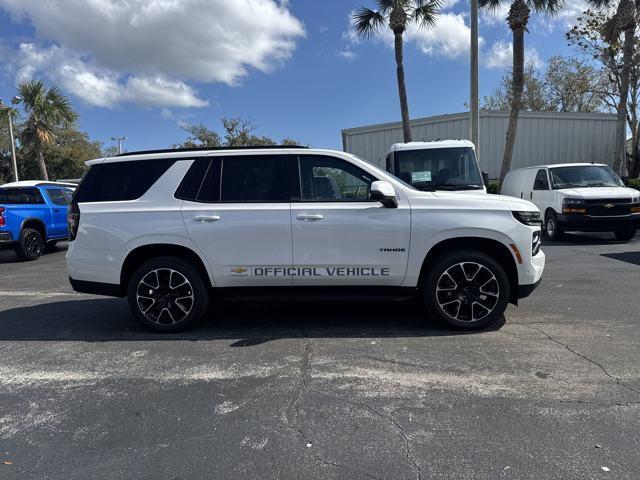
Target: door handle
[[207, 218], [310, 217], [56, 211]]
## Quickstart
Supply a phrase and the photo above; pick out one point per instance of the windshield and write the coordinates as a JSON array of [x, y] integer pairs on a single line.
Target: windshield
[[439, 168], [20, 196], [584, 176]]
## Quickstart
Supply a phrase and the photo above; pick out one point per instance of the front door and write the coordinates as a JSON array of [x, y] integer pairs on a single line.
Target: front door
[[59, 199], [240, 219], [340, 236], [542, 195]]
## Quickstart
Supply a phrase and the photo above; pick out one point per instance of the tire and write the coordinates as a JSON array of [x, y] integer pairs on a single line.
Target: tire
[[30, 245], [551, 228], [624, 235], [171, 306], [480, 303]]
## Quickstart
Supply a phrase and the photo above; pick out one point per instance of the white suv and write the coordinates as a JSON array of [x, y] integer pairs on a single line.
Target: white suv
[[168, 229]]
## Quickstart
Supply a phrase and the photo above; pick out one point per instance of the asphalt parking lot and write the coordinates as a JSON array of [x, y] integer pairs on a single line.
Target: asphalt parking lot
[[325, 391]]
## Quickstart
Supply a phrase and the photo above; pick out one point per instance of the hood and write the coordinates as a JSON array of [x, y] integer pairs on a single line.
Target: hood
[[495, 202], [599, 192]]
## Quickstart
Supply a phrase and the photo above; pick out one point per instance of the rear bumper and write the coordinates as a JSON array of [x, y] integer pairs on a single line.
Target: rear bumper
[[96, 288], [587, 223], [6, 238]]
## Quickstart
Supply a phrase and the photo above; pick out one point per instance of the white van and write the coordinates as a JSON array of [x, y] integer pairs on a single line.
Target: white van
[[443, 165], [584, 197]]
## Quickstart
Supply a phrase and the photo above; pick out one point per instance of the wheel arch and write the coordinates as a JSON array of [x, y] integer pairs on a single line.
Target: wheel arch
[[36, 224], [492, 247], [144, 253]]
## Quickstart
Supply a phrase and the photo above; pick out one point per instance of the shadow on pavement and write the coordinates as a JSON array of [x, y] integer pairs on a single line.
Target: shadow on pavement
[[629, 257], [106, 320], [582, 239]]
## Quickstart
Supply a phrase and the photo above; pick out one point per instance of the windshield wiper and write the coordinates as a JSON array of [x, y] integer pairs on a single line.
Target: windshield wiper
[[601, 184], [460, 187]]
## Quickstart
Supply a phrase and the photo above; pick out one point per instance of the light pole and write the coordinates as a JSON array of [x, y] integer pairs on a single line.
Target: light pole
[[14, 101], [119, 140], [474, 107]]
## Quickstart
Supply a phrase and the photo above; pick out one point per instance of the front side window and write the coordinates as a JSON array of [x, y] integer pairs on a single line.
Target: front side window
[[59, 196], [584, 176], [330, 179], [541, 182]]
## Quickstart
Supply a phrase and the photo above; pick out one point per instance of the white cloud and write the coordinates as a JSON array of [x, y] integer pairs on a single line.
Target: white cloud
[[145, 50], [347, 54], [449, 38], [501, 56], [495, 16]]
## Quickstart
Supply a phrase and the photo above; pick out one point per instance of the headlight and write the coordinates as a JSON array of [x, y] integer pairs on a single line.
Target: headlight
[[635, 199], [573, 201], [528, 218]]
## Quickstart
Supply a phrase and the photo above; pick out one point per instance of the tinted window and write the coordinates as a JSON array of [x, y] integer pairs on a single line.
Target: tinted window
[[190, 185], [59, 196], [118, 181], [255, 178], [20, 196], [329, 179], [541, 182]]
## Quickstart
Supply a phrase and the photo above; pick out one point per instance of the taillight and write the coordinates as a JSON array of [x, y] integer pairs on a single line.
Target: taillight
[[2, 220], [73, 220]]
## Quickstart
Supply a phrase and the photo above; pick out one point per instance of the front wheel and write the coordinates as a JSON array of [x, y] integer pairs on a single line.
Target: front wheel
[[552, 229], [466, 289], [167, 294], [624, 235]]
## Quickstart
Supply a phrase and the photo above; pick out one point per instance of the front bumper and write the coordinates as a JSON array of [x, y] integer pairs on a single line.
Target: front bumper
[[588, 223], [525, 290]]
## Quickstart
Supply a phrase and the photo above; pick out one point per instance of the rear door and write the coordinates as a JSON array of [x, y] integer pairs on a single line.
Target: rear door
[[58, 199], [341, 236], [236, 210]]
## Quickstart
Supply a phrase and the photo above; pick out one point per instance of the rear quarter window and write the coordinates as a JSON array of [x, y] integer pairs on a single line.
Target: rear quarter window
[[120, 181]]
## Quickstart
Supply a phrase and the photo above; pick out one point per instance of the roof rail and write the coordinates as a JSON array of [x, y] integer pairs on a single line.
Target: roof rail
[[204, 149]]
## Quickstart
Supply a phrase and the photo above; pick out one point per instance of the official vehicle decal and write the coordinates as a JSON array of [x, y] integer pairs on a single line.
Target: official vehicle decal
[[312, 271]]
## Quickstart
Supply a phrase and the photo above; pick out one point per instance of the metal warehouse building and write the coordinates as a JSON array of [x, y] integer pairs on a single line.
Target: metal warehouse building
[[543, 137]]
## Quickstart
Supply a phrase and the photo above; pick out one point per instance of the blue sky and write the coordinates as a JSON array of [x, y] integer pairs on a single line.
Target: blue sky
[[142, 69]]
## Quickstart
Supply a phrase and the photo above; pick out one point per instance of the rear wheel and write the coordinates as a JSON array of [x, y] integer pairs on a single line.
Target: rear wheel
[[624, 235], [30, 245], [551, 227], [466, 289], [167, 294]]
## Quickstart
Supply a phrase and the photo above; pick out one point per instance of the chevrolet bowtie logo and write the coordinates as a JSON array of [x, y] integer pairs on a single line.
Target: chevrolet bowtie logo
[[609, 205], [239, 270]]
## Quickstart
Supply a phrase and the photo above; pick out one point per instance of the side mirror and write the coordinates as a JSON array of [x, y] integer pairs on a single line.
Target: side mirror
[[384, 193], [485, 178], [625, 180]]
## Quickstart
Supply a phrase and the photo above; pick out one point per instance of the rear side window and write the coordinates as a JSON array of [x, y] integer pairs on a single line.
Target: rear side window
[[118, 181], [20, 196]]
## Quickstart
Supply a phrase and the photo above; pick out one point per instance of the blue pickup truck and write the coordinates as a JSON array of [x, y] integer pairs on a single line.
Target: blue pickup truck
[[33, 216]]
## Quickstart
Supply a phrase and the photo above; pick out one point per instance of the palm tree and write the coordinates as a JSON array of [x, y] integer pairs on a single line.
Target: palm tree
[[399, 14], [47, 110], [518, 20], [623, 22]]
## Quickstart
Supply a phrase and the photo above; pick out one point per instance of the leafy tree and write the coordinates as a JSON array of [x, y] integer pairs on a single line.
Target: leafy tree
[[111, 151], [47, 111], [518, 20], [238, 132], [621, 24], [6, 165], [588, 40], [398, 14], [567, 85]]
